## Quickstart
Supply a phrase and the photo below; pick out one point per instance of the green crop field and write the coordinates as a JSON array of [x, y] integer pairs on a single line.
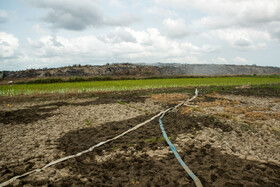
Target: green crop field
[[121, 85]]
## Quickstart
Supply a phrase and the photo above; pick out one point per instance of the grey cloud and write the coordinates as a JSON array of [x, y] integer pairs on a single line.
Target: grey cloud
[[55, 42], [177, 34], [73, 19], [79, 15], [122, 20], [118, 36], [3, 20], [260, 16], [275, 34], [4, 43], [242, 42], [3, 16], [274, 30]]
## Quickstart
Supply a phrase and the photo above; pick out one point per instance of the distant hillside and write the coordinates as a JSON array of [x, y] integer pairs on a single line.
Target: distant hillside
[[142, 70]]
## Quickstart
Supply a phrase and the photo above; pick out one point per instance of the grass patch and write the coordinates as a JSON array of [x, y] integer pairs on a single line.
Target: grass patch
[[123, 85], [247, 127], [121, 102], [122, 146], [275, 132], [88, 122], [223, 115]]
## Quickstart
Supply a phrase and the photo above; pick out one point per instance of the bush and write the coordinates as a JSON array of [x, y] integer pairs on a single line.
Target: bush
[[43, 81], [76, 79]]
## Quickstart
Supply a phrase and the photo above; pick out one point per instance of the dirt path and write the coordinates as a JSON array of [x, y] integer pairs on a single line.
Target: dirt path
[[222, 145]]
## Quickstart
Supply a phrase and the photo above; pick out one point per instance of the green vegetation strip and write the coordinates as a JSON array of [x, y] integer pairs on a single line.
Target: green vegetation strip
[[123, 85]]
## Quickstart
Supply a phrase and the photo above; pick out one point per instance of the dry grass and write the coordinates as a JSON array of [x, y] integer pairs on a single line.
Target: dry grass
[[276, 101], [222, 103], [244, 110], [261, 116], [186, 110], [169, 98], [244, 87]]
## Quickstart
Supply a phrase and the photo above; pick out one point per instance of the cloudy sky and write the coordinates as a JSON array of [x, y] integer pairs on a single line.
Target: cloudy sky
[[54, 33]]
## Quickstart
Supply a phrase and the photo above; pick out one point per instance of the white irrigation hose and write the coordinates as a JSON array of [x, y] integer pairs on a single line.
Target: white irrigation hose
[[83, 152], [173, 148], [95, 146]]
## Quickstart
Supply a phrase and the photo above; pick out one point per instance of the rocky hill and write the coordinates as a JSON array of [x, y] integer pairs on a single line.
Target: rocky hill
[[143, 70]]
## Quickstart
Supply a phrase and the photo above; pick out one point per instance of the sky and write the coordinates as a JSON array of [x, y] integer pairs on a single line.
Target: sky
[[57, 33]]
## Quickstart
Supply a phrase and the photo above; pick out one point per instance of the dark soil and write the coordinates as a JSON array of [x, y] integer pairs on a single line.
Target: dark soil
[[256, 90], [43, 111], [128, 169], [267, 90], [133, 165], [105, 95]]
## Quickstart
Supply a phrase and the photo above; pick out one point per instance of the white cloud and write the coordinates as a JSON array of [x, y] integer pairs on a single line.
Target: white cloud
[[116, 3], [120, 45], [176, 28], [196, 50], [234, 34], [162, 12], [256, 15], [196, 31], [50, 46], [242, 38], [210, 49], [38, 30], [240, 60], [231, 12], [221, 60], [8, 45], [194, 60]]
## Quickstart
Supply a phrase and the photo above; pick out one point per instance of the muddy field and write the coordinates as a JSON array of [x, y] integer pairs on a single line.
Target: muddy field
[[225, 139]]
